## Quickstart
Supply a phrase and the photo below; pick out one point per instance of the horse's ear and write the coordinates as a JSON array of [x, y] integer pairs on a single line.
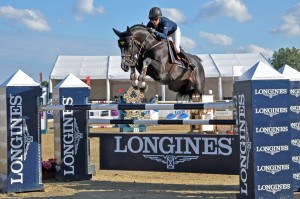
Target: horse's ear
[[118, 33], [129, 33]]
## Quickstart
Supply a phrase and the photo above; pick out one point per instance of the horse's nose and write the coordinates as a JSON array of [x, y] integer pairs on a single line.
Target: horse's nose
[[123, 65]]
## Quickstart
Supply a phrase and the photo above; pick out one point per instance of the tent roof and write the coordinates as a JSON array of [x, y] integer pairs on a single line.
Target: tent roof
[[229, 65], [71, 81], [80, 66], [261, 71], [289, 72], [19, 79], [108, 67]]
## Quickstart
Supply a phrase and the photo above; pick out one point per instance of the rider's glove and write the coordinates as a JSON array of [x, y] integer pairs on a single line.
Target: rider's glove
[[151, 30]]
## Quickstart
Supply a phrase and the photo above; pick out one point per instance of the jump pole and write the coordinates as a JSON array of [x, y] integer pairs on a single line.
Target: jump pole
[[163, 122], [187, 106]]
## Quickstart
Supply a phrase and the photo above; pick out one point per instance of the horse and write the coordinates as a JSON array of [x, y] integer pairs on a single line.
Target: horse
[[142, 51]]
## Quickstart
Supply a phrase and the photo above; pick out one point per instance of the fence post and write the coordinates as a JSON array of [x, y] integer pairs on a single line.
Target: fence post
[[262, 96], [71, 140], [20, 140]]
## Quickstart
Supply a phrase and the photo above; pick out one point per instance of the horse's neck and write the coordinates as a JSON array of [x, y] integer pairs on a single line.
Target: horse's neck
[[146, 40]]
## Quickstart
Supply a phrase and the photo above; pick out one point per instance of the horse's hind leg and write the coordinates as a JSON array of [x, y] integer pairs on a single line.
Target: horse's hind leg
[[133, 78]]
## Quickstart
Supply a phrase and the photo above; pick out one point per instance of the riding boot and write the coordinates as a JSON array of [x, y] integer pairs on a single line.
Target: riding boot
[[186, 61]]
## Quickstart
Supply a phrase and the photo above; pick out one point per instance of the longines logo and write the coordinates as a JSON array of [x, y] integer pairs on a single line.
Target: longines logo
[[295, 142], [296, 125], [272, 150], [296, 159], [295, 109], [27, 139], [296, 176], [271, 131], [173, 150], [273, 168], [274, 188], [77, 136], [20, 139], [245, 144], [170, 160], [270, 92], [270, 111], [295, 92], [71, 138]]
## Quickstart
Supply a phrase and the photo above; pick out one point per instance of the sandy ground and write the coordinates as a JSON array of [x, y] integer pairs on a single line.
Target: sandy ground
[[132, 184]]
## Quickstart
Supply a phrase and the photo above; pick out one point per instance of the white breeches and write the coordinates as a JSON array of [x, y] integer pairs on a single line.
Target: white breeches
[[176, 36]]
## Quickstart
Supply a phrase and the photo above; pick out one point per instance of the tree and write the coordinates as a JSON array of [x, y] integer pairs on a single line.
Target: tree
[[287, 56], [45, 83]]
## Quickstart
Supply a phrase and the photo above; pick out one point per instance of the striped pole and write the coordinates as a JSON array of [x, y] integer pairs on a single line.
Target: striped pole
[[195, 105], [163, 122]]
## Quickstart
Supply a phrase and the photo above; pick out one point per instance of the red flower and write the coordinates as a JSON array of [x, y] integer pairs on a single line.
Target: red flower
[[47, 165]]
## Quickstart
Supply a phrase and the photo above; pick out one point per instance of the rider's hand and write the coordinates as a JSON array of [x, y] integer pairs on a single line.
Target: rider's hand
[[151, 30]]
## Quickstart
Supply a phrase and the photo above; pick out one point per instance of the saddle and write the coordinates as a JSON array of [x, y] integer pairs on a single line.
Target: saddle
[[184, 61]]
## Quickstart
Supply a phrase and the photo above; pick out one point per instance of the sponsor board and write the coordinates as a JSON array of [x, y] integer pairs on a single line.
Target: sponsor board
[[170, 152]]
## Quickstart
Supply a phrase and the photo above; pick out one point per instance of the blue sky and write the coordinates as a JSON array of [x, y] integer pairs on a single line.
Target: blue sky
[[34, 32]]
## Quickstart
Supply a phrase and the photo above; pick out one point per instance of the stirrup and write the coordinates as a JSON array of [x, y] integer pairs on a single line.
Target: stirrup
[[191, 66]]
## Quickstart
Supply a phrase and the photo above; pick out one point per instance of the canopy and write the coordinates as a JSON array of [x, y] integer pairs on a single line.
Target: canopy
[[108, 67]]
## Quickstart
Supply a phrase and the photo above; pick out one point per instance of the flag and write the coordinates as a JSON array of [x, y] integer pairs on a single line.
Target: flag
[[88, 81], [41, 77]]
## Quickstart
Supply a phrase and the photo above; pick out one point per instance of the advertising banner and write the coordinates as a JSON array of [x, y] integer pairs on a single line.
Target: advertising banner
[[170, 152]]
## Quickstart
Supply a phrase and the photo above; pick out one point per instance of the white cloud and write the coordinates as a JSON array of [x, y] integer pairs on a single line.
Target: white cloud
[[32, 19], [229, 8], [174, 14], [291, 22], [86, 7], [216, 39], [256, 49], [187, 43]]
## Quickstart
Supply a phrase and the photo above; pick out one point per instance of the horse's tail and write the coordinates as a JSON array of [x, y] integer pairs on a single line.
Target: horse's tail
[[199, 77]]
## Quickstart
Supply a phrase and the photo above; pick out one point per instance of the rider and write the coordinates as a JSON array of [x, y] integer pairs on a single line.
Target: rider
[[163, 28]]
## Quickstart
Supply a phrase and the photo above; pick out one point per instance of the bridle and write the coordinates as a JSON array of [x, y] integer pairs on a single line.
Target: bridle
[[134, 58]]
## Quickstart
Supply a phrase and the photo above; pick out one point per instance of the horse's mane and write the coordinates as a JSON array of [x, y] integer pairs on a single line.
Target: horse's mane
[[138, 26]]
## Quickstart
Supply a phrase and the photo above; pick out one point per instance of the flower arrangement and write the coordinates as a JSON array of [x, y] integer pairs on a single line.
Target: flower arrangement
[[48, 168]]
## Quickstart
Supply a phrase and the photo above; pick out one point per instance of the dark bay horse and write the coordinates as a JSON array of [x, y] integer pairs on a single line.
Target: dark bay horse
[[140, 50]]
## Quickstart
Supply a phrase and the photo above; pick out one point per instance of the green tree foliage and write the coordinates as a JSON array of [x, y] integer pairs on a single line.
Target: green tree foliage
[[289, 56], [45, 83]]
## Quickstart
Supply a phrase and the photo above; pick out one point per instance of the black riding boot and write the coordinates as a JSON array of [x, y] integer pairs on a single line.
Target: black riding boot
[[186, 61]]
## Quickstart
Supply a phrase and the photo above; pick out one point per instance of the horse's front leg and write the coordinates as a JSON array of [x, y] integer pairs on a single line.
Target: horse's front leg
[[142, 77], [133, 78]]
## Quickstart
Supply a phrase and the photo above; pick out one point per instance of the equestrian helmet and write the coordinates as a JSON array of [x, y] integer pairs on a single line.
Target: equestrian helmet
[[155, 13]]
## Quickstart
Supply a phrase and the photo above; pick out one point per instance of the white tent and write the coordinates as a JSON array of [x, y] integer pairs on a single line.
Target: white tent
[[107, 76]]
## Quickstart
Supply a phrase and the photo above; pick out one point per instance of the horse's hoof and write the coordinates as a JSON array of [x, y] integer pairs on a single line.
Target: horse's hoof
[[143, 89], [135, 87]]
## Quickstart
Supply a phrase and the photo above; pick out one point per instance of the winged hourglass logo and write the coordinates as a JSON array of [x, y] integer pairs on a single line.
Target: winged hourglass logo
[[170, 160]]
